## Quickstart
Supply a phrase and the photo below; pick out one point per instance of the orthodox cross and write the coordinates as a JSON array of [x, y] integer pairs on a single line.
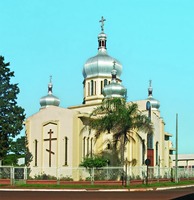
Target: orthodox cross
[[50, 86], [150, 88], [114, 72], [49, 150], [150, 83], [114, 63], [102, 23]]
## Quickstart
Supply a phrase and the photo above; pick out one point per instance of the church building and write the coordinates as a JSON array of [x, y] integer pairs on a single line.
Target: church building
[[59, 138]]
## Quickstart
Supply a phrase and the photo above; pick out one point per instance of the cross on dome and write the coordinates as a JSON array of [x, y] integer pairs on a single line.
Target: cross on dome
[[50, 86], [114, 71], [102, 23], [150, 81], [150, 88], [114, 62]]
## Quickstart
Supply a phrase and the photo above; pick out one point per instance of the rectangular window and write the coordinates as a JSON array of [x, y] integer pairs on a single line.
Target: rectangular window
[[101, 86], [84, 144], [36, 147], [143, 152], [157, 157]]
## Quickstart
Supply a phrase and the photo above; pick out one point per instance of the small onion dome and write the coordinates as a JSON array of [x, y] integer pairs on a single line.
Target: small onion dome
[[155, 104], [101, 64], [50, 99], [114, 89]]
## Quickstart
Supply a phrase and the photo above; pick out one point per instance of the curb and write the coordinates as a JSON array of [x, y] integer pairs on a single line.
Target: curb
[[97, 190]]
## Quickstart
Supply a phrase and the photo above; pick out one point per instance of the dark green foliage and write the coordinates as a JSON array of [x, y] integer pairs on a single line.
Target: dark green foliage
[[94, 162], [10, 160], [11, 115], [44, 177], [18, 149]]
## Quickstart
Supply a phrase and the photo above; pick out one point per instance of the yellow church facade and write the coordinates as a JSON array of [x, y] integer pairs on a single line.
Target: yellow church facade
[[59, 138]]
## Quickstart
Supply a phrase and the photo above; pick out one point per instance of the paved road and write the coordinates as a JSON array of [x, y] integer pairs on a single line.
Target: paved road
[[173, 194]]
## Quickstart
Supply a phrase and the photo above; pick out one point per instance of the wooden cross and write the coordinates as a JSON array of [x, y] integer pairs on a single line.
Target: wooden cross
[[49, 150], [102, 23]]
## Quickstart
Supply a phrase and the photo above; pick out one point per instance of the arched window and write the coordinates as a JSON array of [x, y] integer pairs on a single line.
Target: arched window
[[150, 141], [91, 146], [92, 87], [105, 82], [88, 141], [101, 86], [108, 146], [102, 43]]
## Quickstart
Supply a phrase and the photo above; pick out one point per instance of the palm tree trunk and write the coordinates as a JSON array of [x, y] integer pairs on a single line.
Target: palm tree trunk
[[123, 149]]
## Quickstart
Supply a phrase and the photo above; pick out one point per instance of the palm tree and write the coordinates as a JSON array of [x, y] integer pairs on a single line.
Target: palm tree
[[120, 118]]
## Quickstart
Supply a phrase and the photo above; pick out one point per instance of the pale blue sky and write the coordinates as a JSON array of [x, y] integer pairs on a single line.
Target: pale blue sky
[[153, 39]]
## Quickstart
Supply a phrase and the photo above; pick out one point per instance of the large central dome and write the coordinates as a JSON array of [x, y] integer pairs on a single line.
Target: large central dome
[[97, 73], [101, 64]]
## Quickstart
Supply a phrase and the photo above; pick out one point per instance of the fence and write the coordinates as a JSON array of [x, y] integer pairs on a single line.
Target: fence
[[13, 175]]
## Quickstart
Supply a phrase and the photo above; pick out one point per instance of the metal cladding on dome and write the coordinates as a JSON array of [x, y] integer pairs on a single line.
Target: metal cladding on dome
[[155, 104], [50, 99], [101, 64], [114, 89]]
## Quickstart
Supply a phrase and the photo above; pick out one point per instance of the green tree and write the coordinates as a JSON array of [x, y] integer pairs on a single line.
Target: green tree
[[94, 162], [120, 118], [11, 115], [18, 148]]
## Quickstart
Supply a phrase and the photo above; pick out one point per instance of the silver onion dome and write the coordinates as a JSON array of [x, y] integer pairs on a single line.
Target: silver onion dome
[[114, 89], [155, 104], [101, 64], [49, 99]]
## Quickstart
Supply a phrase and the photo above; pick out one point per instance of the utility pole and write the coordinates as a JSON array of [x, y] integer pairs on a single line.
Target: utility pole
[[176, 155]]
